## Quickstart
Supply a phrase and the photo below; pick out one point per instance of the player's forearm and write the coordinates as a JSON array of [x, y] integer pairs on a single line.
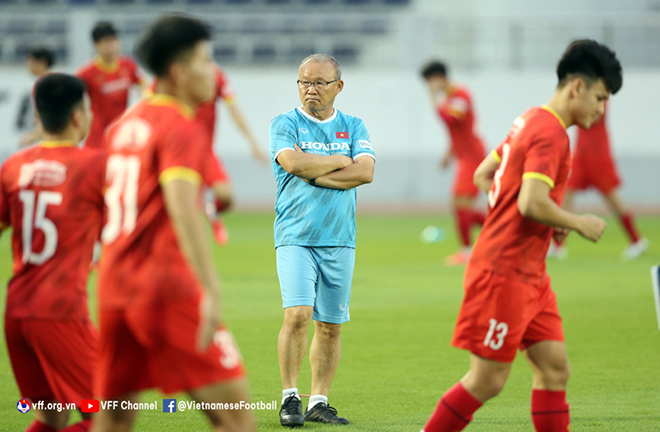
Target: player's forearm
[[310, 166], [484, 184], [188, 223], [483, 175], [544, 210], [240, 122], [347, 178]]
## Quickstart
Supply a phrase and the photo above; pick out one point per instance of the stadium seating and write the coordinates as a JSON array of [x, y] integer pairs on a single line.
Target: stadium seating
[[256, 32]]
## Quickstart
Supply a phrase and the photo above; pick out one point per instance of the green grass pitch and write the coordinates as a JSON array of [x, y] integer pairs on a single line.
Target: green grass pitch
[[396, 359]]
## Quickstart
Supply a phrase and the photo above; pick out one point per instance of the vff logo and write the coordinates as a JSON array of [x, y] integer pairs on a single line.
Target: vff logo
[[169, 405]]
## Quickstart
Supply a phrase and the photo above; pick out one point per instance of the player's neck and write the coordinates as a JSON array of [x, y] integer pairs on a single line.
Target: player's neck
[[68, 135], [165, 88], [106, 63], [320, 115], [559, 104]]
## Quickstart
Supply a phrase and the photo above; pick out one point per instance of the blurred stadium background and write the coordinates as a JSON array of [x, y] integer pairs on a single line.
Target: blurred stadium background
[[504, 50]]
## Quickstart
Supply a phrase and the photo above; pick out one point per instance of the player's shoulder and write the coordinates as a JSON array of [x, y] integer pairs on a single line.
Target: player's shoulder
[[125, 60], [459, 91], [220, 72], [285, 120], [17, 158], [352, 121], [87, 68]]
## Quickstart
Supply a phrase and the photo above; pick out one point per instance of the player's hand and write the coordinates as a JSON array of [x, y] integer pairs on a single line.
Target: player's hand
[[445, 161], [591, 227], [209, 320], [259, 154], [560, 234]]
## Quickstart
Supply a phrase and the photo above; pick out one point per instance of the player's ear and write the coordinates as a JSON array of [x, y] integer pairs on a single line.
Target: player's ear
[[340, 86], [176, 72]]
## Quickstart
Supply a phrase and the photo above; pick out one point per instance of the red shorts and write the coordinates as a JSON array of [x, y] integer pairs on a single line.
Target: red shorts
[[598, 172], [52, 359], [214, 170], [464, 179], [503, 312], [155, 346]]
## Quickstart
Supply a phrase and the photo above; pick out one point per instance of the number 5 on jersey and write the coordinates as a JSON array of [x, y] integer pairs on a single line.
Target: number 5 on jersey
[[123, 174]]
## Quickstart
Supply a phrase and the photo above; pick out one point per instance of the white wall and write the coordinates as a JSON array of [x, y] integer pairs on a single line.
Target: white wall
[[407, 136]]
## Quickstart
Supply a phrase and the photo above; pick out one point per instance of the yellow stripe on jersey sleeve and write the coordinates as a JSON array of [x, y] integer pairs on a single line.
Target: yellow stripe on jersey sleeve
[[180, 173], [538, 176], [496, 156]]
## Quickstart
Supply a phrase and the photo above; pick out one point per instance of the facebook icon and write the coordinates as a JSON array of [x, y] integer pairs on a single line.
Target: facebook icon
[[169, 405]]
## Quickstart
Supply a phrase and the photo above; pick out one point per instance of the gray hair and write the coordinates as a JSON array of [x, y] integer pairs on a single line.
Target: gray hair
[[324, 58]]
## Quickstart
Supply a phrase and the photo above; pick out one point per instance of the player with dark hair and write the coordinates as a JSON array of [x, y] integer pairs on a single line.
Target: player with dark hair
[[456, 108], [109, 78], [593, 166], [159, 295], [215, 175], [39, 61], [508, 302], [51, 195]]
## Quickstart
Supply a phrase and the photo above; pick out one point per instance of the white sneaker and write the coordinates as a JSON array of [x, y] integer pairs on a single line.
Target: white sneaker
[[557, 252], [635, 250]]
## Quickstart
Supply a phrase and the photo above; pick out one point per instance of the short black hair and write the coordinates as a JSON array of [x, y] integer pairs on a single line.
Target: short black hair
[[103, 29], [56, 97], [591, 60], [42, 53], [169, 38], [434, 68]]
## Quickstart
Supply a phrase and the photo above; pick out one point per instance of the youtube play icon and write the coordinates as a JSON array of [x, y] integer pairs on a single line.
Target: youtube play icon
[[89, 406]]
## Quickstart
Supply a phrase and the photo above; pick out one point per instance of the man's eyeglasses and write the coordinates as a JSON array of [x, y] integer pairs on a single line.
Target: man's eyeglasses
[[320, 85]]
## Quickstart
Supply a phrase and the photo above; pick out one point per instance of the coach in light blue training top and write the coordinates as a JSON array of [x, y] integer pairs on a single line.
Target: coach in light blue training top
[[320, 155]]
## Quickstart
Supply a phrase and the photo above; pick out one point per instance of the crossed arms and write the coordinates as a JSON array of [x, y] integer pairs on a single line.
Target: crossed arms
[[331, 172]]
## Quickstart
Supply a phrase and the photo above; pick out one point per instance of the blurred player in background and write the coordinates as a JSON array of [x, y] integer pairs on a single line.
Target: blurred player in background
[[109, 77], [39, 61], [508, 302], [51, 196], [593, 166], [454, 106], [320, 155], [159, 295], [215, 174]]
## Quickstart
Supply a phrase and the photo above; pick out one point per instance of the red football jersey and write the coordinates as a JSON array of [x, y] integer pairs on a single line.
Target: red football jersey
[[537, 146], [154, 142], [51, 194], [206, 112], [108, 87], [593, 143], [457, 111]]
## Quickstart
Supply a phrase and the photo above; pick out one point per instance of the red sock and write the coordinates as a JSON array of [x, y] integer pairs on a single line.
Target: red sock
[[550, 411], [83, 426], [478, 218], [37, 426], [453, 412], [629, 225], [463, 222]]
